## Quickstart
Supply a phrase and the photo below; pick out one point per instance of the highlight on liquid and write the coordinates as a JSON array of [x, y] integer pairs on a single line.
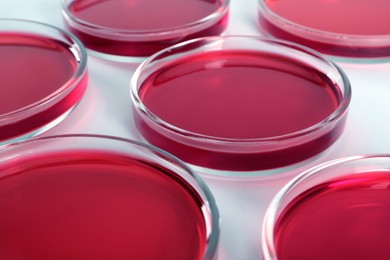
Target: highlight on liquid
[[351, 28], [42, 77], [238, 108], [85, 197], [339, 210], [142, 27]]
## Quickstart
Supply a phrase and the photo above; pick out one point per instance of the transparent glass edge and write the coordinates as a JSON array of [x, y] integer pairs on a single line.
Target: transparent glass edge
[[277, 204], [209, 202]]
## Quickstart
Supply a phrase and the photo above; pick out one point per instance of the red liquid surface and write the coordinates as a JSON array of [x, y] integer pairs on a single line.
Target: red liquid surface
[[349, 17], [97, 206], [31, 69], [346, 218], [239, 95], [142, 15], [359, 17]]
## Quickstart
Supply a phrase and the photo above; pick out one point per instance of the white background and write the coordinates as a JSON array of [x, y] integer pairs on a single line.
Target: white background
[[105, 109]]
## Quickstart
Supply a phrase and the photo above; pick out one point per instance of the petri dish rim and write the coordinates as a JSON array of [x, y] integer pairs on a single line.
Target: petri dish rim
[[221, 141], [271, 214], [323, 36], [146, 35], [80, 56], [212, 232]]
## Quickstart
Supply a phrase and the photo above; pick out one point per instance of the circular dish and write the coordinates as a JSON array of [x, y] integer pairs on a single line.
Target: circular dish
[[236, 104], [351, 29], [128, 28], [100, 197], [337, 210], [43, 75]]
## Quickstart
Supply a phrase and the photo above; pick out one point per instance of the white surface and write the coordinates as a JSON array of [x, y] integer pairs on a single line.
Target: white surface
[[106, 109]]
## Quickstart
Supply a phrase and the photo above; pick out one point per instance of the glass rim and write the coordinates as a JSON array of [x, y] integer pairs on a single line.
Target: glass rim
[[71, 83], [212, 232], [323, 36], [341, 108], [270, 217], [147, 34]]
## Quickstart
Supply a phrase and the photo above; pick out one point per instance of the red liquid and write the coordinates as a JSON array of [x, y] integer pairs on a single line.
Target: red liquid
[[342, 219], [341, 48], [98, 206], [359, 17], [141, 15], [349, 17], [33, 68], [239, 95]]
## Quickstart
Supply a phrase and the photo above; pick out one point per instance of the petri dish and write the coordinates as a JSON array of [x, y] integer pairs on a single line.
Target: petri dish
[[336, 210], [347, 28], [101, 197], [43, 75], [139, 28], [238, 104]]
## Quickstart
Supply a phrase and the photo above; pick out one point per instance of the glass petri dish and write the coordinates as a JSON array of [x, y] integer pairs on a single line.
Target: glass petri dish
[[139, 28], [348, 28], [43, 75], [336, 210], [100, 197], [239, 104]]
